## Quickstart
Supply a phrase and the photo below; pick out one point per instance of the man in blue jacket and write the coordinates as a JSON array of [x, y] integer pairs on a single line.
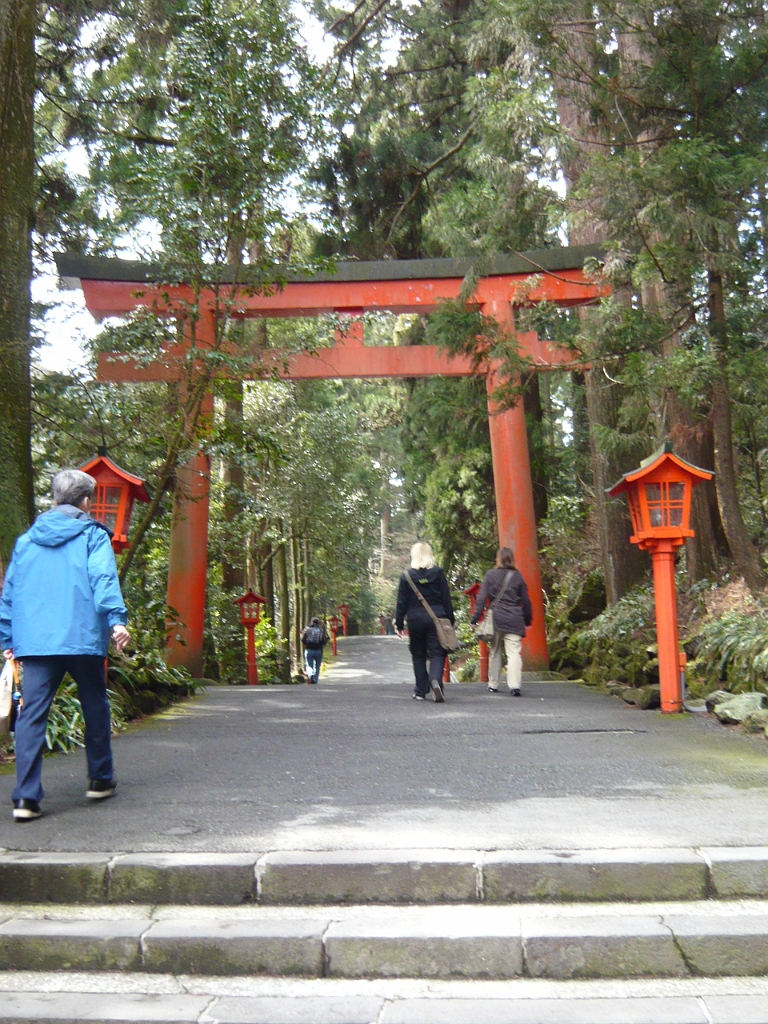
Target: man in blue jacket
[[61, 601]]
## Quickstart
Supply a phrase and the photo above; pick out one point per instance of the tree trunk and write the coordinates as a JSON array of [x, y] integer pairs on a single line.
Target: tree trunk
[[534, 424], [233, 567], [692, 440], [384, 535], [17, 163], [624, 564], [281, 569], [743, 550], [307, 589], [582, 454], [298, 610], [268, 577]]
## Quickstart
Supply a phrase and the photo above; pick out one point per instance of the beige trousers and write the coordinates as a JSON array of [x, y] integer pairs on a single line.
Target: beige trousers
[[509, 643]]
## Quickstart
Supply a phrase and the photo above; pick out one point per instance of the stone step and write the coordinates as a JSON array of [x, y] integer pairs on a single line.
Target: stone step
[[384, 876], [706, 938], [139, 998]]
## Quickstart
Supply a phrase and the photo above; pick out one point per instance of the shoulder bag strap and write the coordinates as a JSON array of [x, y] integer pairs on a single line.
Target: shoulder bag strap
[[421, 597], [504, 586]]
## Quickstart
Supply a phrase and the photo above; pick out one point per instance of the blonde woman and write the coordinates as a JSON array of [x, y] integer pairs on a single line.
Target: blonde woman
[[427, 654], [505, 588]]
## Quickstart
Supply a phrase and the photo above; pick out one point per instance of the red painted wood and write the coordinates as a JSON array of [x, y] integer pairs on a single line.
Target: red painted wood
[[188, 554], [567, 288], [665, 596], [514, 501], [344, 361]]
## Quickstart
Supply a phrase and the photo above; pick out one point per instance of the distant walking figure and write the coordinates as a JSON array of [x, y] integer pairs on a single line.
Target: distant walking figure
[[314, 639], [430, 581], [505, 589]]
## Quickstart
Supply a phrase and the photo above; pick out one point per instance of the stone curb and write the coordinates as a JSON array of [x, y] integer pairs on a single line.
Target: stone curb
[[68, 1008], [388, 876], [469, 942]]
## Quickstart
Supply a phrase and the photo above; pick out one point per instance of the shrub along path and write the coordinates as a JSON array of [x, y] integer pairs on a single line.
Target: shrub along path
[[354, 763]]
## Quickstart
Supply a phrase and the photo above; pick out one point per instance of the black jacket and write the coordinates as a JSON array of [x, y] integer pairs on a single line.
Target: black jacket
[[434, 587], [512, 613]]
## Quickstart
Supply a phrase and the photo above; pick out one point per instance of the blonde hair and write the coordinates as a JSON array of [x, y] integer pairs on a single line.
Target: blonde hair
[[422, 555]]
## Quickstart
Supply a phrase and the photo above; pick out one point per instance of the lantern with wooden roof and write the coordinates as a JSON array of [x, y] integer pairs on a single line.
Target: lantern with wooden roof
[[659, 496], [249, 606], [112, 501]]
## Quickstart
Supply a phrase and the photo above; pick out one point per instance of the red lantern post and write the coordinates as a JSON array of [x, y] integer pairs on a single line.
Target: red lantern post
[[382, 624], [113, 498], [659, 496], [249, 606], [344, 609], [472, 593], [333, 624]]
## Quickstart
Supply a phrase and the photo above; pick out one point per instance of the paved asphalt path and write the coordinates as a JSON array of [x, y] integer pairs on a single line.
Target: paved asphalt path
[[355, 763]]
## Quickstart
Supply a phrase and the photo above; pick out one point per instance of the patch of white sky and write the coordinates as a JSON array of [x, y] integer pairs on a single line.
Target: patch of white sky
[[66, 326]]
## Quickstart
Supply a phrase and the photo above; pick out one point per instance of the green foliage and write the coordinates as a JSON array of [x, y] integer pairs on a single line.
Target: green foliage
[[66, 726], [735, 647]]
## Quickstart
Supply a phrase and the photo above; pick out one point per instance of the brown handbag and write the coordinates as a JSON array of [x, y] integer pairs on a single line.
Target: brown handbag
[[446, 634]]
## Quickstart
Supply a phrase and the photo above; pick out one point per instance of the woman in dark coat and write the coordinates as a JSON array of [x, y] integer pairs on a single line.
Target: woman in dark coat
[[511, 614], [422, 634]]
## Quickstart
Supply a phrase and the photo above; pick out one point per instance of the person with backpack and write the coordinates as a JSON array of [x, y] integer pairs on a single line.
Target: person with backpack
[[424, 584], [314, 639], [504, 588]]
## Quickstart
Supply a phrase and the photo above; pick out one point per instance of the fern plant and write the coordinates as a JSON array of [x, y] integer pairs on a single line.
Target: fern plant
[[735, 647]]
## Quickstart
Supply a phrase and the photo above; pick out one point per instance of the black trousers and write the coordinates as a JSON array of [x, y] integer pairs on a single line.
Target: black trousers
[[425, 647]]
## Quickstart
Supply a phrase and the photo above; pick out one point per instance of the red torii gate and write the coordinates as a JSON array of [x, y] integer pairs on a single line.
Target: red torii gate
[[115, 287]]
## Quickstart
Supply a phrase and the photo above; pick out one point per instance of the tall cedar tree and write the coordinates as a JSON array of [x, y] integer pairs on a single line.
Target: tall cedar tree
[[17, 159]]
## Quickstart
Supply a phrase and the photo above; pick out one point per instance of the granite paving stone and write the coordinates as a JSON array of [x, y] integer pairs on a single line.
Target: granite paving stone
[[88, 945], [363, 876], [722, 944], [204, 946], [195, 878], [594, 947]]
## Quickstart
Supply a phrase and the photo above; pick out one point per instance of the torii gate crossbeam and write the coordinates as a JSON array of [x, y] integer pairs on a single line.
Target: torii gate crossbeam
[[116, 287]]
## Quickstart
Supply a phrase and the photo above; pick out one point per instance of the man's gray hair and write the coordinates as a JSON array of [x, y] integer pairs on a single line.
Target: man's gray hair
[[70, 486]]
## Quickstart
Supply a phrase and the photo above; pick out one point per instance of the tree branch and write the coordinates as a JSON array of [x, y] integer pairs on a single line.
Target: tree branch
[[425, 172]]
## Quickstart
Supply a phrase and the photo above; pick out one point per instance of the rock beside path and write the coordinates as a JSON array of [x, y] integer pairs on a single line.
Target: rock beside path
[[735, 710], [756, 721]]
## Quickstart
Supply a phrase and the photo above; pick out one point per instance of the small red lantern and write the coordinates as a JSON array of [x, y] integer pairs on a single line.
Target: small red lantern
[[482, 645], [333, 624], [113, 499], [659, 496], [344, 609], [249, 606]]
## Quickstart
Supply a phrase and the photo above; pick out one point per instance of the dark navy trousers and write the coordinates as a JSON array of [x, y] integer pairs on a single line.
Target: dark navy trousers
[[42, 677]]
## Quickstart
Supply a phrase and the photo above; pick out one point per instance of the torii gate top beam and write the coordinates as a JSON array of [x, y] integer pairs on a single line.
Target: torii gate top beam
[[115, 287]]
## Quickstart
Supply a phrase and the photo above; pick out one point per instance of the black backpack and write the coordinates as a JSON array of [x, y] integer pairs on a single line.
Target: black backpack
[[312, 636]]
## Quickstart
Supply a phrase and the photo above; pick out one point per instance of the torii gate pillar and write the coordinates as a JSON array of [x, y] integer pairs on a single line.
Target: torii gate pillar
[[188, 554], [514, 498]]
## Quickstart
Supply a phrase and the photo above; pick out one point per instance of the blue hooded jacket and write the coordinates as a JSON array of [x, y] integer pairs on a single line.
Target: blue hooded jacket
[[61, 593]]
